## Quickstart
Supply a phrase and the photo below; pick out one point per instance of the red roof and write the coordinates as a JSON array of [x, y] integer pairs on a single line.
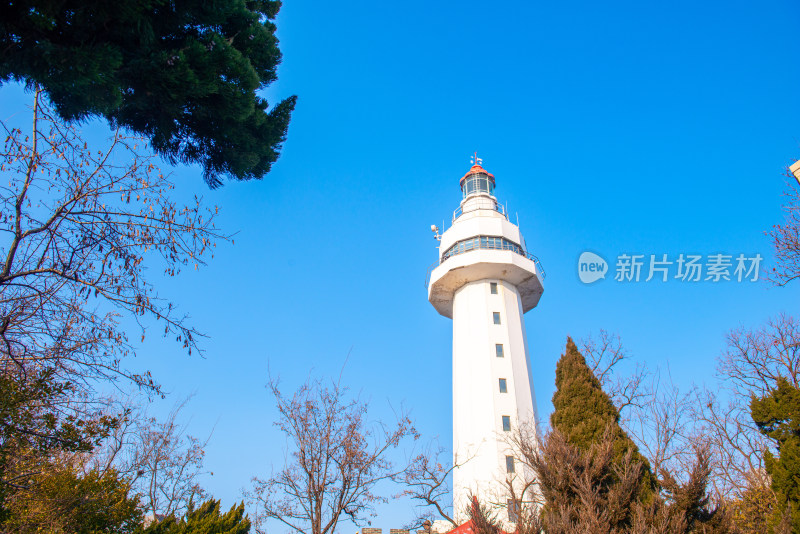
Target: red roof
[[466, 528], [476, 169]]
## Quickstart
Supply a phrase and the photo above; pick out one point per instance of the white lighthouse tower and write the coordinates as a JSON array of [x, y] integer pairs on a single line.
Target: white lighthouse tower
[[485, 281]]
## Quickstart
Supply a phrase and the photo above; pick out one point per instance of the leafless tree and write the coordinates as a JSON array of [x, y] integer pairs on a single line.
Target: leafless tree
[[603, 356], [670, 425], [77, 225], [664, 428], [593, 491], [750, 365], [426, 482], [158, 457], [483, 518], [336, 457], [168, 464], [786, 238], [577, 486], [755, 359], [116, 450], [653, 410], [526, 503]]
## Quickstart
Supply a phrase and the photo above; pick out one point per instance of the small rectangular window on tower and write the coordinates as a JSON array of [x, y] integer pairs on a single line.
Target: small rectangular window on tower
[[493, 287], [506, 423], [503, 386], [509, 464], [513, 510], [499, 350], [496, 317]]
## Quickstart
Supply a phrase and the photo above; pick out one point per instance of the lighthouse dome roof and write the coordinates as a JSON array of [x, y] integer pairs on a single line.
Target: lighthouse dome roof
[[477, 169]]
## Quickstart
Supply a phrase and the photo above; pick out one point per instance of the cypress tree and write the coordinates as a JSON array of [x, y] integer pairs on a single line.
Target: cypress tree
[[207, 519], [583, 412], [777, 416]]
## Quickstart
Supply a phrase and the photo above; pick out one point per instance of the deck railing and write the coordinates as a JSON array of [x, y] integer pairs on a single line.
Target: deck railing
[[483, 205], [534, 259]]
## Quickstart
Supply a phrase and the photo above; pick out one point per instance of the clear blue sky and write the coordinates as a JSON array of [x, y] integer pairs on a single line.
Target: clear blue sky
[[614, 127]]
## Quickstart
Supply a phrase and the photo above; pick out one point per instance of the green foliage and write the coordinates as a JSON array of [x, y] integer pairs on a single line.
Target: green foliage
[[183, 73], [777, 416], [206, 519], [64, 500], [583, 413], [753, 511], [34, 425], [28, 415]]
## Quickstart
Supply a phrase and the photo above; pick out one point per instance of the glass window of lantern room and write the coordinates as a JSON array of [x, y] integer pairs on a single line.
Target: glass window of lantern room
[[469, 186]]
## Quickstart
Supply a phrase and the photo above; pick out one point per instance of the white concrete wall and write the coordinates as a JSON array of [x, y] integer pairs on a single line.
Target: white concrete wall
[[478, 405], [480, 222], [482, 264], [480, 201], [461, 288]]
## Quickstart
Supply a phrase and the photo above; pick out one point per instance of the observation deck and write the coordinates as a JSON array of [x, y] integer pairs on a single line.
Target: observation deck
[[481, 244]]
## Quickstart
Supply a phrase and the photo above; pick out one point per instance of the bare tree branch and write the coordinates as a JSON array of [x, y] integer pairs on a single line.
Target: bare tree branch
[[157, 456], [786, 238], [336, 458], [75, 228], [750, 365], [603, 356], [427, 482]]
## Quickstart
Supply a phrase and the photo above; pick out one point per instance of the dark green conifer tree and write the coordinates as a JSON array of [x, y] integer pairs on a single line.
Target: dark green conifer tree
[[206, 519], [583, 411], [777, 416], [183, 73]]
